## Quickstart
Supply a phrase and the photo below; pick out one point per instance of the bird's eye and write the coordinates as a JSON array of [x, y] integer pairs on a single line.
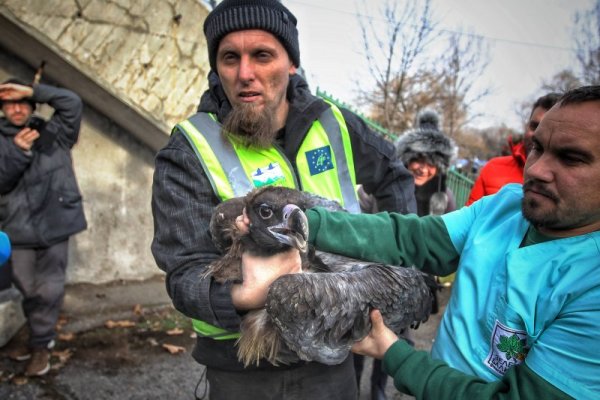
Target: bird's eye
[[265, 211]]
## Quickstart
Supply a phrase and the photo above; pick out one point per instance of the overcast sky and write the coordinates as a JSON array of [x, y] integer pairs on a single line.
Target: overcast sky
[[529, 41]]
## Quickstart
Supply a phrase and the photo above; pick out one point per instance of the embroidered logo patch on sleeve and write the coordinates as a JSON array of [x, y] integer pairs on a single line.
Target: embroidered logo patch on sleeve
[[319, 160], [508, 348]]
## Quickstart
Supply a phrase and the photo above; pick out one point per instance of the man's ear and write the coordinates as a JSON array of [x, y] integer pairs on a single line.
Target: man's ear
[[292, 69]]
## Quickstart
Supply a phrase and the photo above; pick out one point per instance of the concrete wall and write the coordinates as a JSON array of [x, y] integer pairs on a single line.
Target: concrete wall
[[151, 53], [146, 56], [115, 176]]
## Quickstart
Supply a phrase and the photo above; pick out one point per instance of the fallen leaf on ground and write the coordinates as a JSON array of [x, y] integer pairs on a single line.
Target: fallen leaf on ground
[[19, 380], [171, 348], [66, 337], [175, 331], [63, 355], [110, 324], [137, 309]]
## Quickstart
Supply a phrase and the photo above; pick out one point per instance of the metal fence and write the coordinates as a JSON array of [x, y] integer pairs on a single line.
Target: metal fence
[[372, 124], [460, 186]]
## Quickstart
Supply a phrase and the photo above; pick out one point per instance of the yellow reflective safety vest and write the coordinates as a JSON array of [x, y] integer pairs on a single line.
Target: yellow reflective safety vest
[[324, 164]]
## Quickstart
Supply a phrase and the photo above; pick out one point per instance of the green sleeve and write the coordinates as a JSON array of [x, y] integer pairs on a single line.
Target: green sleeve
[[389, 238], [417, 374]]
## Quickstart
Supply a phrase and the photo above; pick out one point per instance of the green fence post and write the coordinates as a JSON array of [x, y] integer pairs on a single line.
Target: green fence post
[[460, 186]]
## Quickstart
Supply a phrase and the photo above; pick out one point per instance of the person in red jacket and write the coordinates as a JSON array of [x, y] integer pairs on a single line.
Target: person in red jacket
[[509, 169]]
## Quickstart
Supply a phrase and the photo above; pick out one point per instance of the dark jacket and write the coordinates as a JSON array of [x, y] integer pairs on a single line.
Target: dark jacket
[[40, 202], [424, 193], [183, 201]]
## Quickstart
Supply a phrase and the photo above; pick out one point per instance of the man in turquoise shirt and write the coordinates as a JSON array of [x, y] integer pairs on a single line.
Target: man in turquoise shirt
[[523, 321]]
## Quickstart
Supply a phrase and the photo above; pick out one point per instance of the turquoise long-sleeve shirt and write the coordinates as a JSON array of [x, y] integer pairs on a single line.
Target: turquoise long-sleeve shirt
[[510, 302]]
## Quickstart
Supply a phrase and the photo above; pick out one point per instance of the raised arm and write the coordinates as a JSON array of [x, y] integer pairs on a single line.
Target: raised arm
[[389, 238], [68, 108]]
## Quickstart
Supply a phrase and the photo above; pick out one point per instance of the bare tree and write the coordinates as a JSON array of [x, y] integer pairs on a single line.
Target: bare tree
[[406, 81], [561, 82], [398, 114], [462, 64], [587, 41], [485, 143], [393, 46]]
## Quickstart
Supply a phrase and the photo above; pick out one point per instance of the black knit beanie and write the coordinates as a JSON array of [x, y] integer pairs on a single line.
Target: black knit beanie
[[235, 15], [27, 99]]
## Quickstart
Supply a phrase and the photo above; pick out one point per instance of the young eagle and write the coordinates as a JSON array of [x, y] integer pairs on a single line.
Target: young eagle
[[318, 314]]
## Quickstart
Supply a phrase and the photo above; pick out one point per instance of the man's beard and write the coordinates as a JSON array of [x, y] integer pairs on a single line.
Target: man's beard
[[529, 207], [250, 124], [553, 218]]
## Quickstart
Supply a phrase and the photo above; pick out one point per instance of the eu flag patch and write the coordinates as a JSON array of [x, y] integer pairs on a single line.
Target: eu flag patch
[[319, 160]]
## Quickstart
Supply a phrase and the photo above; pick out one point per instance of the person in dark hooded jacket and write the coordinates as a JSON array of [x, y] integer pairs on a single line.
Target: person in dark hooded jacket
[[258, 124], [40, 207]]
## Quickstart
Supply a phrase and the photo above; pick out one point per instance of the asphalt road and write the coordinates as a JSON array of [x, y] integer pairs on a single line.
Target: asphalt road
[[116, 363], [133, 363]]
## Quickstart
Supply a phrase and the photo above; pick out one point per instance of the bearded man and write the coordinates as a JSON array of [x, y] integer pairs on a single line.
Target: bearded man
[[258, 124], [523, 319]]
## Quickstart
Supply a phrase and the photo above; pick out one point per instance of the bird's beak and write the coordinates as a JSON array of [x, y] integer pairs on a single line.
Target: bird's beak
[[293, 230]]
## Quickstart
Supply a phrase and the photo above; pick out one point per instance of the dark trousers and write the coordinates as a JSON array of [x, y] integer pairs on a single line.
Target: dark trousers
[[378, 377], [312, 381], [39, 274]]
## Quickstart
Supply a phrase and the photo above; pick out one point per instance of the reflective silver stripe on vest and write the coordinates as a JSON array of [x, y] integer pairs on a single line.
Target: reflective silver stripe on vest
[[227, 156], [334, 134]]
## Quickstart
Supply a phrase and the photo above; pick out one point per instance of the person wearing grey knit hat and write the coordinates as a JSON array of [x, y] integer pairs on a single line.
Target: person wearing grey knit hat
[[427, 154], [258, 124]]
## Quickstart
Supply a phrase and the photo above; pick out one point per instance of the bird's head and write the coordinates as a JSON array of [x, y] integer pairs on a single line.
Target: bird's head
[[277, 221], [276, 216]]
